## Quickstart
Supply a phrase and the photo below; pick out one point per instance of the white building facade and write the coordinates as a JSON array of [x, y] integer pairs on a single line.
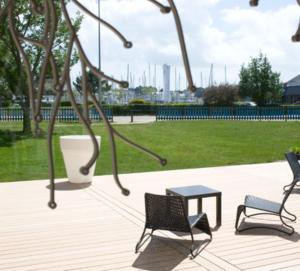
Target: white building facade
[[166, 80]]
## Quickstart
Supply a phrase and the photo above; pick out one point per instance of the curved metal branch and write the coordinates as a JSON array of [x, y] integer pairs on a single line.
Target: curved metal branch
[[82, 53], [59, 90], [126, 43], [186, 62], [163, 9], [172, 7], [296, 36], [52, 204], [84, 169], [254, 3], [50, 14], [112, 143], [84, 86], [157, 157]]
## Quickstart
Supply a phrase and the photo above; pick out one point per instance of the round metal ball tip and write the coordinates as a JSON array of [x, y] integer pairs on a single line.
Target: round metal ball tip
[[296, 38], [163, 162], [125, 192], [165, 10], [254, 3], [52, 204], [84, 170], [128, 44]]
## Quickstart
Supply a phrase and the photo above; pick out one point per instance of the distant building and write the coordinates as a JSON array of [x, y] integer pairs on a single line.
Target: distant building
[[291, 92], [166, 80]]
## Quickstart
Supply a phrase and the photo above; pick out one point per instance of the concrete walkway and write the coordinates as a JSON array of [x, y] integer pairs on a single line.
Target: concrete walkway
[[136, 119]]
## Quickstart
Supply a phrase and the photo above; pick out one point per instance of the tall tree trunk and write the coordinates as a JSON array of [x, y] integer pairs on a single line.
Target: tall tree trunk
[[22, 93], [26, 117]]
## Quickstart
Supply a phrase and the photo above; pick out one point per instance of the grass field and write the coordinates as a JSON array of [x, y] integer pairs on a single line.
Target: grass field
[[186, 144]]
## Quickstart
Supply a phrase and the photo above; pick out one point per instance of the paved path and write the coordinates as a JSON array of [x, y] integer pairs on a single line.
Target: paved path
[[136, 119]]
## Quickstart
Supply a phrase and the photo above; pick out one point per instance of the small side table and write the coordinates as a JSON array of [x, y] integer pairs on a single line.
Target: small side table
[[198, 192]]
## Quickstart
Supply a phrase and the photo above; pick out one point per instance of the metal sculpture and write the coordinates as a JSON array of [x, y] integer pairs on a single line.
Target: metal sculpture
[[47, 8]]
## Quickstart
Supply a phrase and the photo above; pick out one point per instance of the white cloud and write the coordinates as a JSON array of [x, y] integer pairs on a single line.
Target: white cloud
[[223, 37]]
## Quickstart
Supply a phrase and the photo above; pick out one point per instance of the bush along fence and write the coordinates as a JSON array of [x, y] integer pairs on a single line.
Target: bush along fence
[[226, 112], [65, 114]]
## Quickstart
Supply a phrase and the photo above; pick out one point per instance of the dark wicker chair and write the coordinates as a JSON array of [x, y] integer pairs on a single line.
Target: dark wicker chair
[[168, 213], [271, 207], [295, 167]]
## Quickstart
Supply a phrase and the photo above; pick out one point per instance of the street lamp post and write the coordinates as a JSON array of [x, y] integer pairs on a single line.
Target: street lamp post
[[99, 53]]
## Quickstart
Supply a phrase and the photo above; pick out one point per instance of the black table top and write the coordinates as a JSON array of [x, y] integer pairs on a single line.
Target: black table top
[[193, 191]]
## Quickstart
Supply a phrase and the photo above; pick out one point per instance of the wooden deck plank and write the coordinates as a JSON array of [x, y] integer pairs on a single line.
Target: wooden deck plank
[[277, 266], [96, 228]]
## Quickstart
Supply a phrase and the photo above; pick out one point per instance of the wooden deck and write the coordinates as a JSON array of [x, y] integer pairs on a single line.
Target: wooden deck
[[96, 228]]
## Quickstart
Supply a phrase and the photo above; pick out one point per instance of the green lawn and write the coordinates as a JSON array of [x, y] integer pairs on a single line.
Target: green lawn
[[186, 144]]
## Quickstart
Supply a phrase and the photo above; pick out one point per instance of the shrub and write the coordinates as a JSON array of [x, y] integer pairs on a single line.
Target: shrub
[[65, 103], [222, 95], [137, 101]]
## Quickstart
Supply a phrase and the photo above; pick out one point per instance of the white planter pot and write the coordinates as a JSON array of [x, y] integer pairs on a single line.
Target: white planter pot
[[77, 151]]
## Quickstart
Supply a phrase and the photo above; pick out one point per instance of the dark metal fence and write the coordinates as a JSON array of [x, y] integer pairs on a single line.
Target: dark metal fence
[[65, 114], [226, 112]]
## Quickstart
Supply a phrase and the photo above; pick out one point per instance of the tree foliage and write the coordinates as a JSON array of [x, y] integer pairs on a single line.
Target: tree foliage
[[259, 82], [93, 83], [222, 95], [30, 25], [137, 101]]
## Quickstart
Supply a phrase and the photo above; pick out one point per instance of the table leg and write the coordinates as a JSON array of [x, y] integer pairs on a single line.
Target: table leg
[[199, 205], [219, 209], [186, 205]]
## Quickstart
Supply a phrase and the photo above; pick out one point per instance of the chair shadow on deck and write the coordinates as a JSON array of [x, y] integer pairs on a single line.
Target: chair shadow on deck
[[163, 253], [295, 237], [67, 186]]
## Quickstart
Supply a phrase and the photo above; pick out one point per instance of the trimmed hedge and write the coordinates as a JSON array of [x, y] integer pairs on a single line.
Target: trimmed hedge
[[139, 109]]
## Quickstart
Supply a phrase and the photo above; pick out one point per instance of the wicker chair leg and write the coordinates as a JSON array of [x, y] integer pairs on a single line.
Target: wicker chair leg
[[290, 214], [140, 242], [192, 248], [292, 230], [203, 225], [240, 210]]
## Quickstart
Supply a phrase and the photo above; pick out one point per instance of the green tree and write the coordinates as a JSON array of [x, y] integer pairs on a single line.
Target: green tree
[[259, 82], [93, 83], [137, 101], [222, 95], [12, 75]]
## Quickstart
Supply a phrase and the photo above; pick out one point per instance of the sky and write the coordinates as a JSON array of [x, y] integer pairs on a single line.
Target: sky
[[225, 33]]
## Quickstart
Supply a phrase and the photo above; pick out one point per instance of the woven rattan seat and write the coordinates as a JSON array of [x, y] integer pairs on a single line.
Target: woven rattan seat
[[168, 213], [262, 204], [271, 207]]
